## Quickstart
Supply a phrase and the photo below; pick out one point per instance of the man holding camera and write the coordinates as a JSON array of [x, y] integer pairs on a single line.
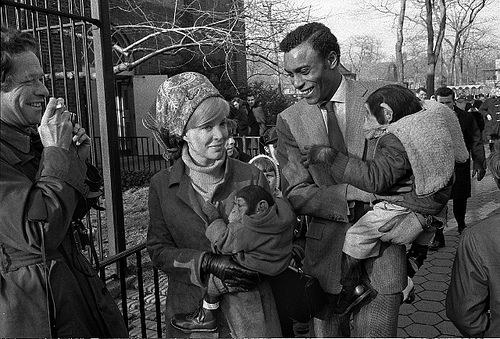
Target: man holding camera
[[47, 288]]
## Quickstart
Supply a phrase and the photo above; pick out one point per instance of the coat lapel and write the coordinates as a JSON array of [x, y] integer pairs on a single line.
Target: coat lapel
[[186, 191], [355, 99], [312, 126]]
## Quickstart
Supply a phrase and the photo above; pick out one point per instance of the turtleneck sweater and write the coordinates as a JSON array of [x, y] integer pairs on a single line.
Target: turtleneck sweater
[[204, 179]]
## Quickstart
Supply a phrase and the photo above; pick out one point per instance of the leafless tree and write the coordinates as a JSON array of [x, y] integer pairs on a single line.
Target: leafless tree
[[462, 15], [399, 41], [361, 52], [434, 43], [214, 32]]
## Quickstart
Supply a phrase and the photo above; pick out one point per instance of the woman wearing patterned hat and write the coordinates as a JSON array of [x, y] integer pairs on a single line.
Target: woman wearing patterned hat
[[189, 122]]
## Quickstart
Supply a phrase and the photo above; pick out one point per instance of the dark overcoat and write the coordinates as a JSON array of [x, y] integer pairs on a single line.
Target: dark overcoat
[[473, 141], [38, 194]]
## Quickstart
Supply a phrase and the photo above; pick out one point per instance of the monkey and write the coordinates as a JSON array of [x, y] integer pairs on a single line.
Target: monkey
[[251, 200], [413, 141], [257, 233]]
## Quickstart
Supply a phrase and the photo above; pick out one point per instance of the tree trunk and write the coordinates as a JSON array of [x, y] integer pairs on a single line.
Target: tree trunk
[[399, 42], [433, 51]]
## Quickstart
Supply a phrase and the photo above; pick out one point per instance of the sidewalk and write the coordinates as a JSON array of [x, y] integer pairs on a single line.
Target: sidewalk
[[426, 316]]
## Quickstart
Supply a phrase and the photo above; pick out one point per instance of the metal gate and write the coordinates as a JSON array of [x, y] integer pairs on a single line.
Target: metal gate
[[74, 41]]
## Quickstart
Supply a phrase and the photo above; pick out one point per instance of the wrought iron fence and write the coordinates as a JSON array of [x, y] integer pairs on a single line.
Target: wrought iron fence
[[141, 306], [137, 154], [250, 145]]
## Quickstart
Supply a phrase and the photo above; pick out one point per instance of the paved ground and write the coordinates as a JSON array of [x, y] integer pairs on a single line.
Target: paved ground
[[426, 316]]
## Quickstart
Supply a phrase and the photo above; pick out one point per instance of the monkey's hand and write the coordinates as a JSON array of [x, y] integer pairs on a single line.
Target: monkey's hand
[[318, 154], [211, 211]]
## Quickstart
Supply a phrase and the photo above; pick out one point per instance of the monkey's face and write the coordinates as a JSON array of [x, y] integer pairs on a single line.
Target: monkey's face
[[240, 208]]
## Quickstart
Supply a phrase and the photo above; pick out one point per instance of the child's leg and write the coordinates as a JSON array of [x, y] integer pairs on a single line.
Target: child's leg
[[362, 242], [362, 238], [355, 291], [204, 318], [351, 271]]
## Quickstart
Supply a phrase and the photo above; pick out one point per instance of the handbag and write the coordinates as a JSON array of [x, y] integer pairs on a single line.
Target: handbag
[[298, 293]]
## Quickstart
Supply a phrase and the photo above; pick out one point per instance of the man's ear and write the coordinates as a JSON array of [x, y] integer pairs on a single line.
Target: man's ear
[[388, 113], [333, 60], [261, 207]]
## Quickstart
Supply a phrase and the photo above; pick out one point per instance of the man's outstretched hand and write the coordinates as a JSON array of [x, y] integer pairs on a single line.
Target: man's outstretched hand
[[318, 154]]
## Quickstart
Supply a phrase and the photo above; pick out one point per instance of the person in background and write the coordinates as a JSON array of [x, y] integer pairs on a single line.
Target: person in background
[[461, 190], [234, 152], [239, 114], [270, 140], [43, 187], [473, 298], [493, 162], [474, 110], [189, 122], [421, 93], [311, 60], [258, 124], [490, 109]]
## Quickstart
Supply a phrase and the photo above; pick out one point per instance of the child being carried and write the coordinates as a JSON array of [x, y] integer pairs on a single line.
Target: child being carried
[[412, 141]]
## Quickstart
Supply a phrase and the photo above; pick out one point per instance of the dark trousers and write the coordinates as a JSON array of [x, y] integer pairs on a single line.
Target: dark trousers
[[459, 209]]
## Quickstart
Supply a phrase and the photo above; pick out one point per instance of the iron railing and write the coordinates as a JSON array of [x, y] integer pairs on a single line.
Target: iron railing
[[139, 325], [137, 154]]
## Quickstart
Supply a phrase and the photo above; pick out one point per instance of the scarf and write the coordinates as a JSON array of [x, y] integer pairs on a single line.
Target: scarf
[[433, 141], [205, 179]]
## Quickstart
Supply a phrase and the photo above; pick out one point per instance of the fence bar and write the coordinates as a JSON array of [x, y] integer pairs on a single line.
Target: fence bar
[[140, 286], [156, 280], [109, 133], [51, 12]]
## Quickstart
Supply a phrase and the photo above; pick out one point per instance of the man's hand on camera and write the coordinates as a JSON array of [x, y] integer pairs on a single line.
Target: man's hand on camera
[[81, 141], [55, 127]]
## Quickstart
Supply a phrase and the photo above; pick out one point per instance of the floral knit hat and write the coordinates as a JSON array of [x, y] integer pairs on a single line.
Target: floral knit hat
[[176, 100]]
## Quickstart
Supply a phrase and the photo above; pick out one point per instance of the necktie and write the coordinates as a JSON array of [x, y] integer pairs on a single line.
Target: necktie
[[334, 134]]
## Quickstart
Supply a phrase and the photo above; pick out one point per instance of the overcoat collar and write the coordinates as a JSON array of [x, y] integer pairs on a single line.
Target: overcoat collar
[[18, 139]]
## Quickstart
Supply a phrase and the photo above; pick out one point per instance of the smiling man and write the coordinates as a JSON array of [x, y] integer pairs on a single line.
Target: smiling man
[[332, 113], [47, 287]]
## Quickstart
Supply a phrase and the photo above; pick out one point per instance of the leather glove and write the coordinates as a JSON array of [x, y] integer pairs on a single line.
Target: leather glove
[[226, 269], [211, 211], [318, 154]]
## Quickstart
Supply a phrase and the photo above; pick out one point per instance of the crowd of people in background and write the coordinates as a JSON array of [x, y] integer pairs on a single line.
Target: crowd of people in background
[[225, 226]]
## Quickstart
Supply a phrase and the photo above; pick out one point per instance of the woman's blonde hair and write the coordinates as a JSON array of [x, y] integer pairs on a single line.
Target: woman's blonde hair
[[207, 111]]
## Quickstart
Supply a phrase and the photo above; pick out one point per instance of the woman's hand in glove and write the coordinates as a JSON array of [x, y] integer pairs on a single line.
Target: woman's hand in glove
[[236, 277]]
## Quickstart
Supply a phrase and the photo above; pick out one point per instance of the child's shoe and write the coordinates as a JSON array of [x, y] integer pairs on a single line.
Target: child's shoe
[[409, 292], [350, 297], [201, 320]]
